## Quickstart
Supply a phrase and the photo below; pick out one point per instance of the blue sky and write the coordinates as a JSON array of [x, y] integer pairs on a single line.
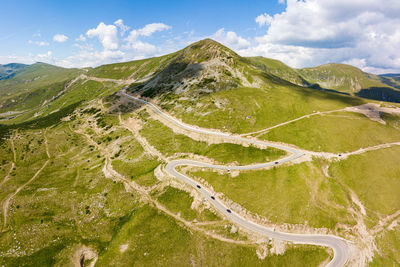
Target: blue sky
[[300, 33]]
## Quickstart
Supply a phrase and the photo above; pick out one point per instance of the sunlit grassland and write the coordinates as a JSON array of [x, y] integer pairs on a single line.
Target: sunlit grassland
[[169, 143], [242, 110], [336, 132], [375, 177], [70, 202], [298, 194], [152, 238], [179, 201]]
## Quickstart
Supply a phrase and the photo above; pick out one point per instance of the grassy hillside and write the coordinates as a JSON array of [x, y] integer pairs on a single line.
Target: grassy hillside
[[32, 86], [279, 69], [9, 70], [321, 132], [137, 69], [341, 77], [74, 178]]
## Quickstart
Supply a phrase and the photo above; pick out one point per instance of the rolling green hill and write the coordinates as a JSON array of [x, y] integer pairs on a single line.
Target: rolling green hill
[[9, 70], [82, 167]]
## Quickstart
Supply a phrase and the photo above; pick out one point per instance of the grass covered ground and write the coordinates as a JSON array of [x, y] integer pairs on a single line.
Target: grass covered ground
[[69, 203], [375, 177], [295, 194], [179, 201], [242, 110], [155, 239], [169, 143], [335, 132], [134, 69]]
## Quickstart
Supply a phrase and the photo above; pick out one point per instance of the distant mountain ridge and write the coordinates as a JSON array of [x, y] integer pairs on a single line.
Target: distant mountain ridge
[[9, 70]]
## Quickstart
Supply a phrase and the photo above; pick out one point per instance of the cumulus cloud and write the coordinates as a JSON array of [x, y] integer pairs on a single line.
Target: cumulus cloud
[[81, 38], [116, 47], [121, 26], [60, 38], [231, 39], [263, 19], [147, 31], [336, 31], [107, 35], [39, 43]]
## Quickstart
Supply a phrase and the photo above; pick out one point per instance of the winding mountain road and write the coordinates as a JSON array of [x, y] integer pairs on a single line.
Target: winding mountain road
[[340, 246]]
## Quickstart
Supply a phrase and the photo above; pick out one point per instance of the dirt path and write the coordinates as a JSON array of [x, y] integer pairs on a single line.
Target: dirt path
[[7, 177], [6, 203], [131, 186], [287, 122], [133, 125]]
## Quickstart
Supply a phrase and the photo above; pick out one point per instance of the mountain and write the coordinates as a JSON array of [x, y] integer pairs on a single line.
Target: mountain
[[86, 170], [351, 80], [9, 70]]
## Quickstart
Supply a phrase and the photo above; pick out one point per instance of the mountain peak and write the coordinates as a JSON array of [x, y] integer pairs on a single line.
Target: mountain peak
[[207, 49]]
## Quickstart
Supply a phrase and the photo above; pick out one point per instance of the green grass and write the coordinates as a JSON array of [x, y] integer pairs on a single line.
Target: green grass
[[168, 143], [137, 69], [141, 171], [179, 201], [389, 244], [154, 239], [298, 194], [69, 202], [375, 177], [341, 77], [33, 77], [242, 110], [321, 132]]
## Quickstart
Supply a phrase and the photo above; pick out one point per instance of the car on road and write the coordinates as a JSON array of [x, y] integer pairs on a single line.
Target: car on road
[[228, 210], [212, 197], [276, 162], [198, 186]]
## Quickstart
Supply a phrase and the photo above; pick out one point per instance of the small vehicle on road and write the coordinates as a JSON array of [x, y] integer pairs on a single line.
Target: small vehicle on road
[[228, 210], [276, 162], [212, 197], [198, 186]]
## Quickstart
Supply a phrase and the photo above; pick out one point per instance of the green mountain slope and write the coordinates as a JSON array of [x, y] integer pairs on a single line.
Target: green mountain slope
[[33, 85], [82, 167], [9, 70]]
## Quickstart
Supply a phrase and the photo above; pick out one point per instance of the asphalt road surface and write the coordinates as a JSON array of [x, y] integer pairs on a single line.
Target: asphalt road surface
[[340, 246]]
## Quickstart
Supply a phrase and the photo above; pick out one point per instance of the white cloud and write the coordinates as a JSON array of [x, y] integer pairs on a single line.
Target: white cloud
[[39, 43], [60, 38], [144, 48], [281, 2], [230, 39], [86, 58], [81, 38], [147, 31], [121, 26], [107, 35], [115, 47], [263, 19], [315, 32]]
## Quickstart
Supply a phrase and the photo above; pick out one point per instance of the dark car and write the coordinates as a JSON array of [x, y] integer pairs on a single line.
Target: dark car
[[340, 155], [198, 186], [276, 162], [228, 210], [212, 197]]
